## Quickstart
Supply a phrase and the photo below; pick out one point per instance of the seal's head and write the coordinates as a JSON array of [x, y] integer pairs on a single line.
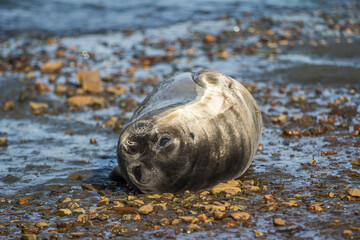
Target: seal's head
[[148, 156]]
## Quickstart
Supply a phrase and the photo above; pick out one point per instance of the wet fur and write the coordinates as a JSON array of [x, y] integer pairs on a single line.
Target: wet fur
[[215, 128]]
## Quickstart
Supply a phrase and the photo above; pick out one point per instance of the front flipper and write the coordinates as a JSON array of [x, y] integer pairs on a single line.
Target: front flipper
[[115, 175]]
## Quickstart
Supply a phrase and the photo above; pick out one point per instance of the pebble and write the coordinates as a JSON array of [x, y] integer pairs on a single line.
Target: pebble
[[176, 221], [80, 101], [258, 234], [9, 105], [347, 233], [187, 219], [22, 201], [218, 215], [279, 222], [355, 161], [291, 133], [38, 108], [103, 202], [90, 81], [354, 192], [312, 163], [146, 209], [228, 187], [51, 67], [3, 141], [63, 212], [77, 234], [125, 210], [41, 224], [193, 227], [240, 215], [28, 237], [78, 211]]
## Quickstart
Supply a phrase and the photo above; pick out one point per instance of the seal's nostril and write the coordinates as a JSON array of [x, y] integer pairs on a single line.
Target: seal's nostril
[[137, 173]]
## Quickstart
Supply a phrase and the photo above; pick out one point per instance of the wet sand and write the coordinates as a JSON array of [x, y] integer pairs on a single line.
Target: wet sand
[[60, 120]]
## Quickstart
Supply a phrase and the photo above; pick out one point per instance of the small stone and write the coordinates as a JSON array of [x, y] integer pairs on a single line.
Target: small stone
[[51, 67], [64, 224], [3, 142], [65, 200], [291, 133], [90, 81], [168, 196], [347, 233], [146, 209], [237, 208], [301, 98], [331, 194], [28, 237], [125, 210], [295, 118], [80, 101], [22, 201], [229, 187], [63, 212], [176, 221], [93, 140], [312, 163], [218, 215], [278, 222], [253, 188], [111, 122], [355, 161], [162, 206], [291, 203], [283, 119], [187, 219], [240, 215], [41, 87], [78, 211], [9, 105], [327, 153], [38, 108], [30, 76], [103, 202], [258, 234], [60, 89], [77, 234], [209, 38], [193, 227], [354, 192], [41, 224], [117, 90], [52, 78]]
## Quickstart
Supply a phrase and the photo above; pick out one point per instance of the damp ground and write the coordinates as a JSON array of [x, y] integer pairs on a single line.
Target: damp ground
[[64, 100]]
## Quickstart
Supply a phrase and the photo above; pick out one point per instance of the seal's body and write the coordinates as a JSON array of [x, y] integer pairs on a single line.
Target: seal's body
[[191, 133]]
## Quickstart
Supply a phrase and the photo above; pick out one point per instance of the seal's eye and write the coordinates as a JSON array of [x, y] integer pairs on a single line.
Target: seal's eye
[[130, 149], [137, 173], [164, 141]]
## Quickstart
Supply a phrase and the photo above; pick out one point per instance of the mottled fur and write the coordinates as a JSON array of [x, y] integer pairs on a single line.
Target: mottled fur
[[211, 125]]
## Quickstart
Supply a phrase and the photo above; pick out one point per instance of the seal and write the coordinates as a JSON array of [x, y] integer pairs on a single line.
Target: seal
[[192, 132]]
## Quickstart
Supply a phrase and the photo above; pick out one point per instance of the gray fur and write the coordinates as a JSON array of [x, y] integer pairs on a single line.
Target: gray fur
[[211, 127]]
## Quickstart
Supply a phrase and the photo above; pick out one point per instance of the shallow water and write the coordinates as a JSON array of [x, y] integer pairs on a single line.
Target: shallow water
[[51, 154]]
